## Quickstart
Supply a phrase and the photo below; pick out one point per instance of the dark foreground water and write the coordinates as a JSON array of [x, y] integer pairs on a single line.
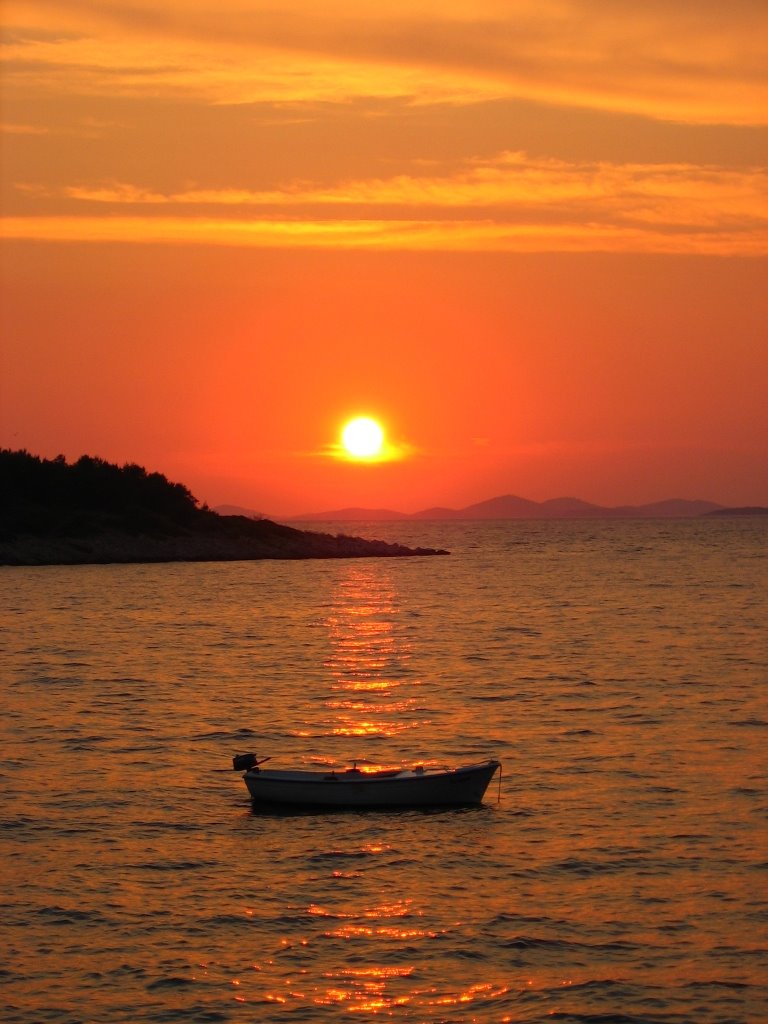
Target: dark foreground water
[[617, 669]]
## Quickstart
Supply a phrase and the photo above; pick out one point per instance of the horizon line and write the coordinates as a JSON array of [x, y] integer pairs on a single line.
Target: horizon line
[[507, 507]]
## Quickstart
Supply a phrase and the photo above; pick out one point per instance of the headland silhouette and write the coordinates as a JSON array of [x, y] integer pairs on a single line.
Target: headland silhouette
[[92, 511]]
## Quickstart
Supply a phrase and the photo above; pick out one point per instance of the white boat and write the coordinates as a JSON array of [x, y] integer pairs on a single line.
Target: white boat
[[355, 787]]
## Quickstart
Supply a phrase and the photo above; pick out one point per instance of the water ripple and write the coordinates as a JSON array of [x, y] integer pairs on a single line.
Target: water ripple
[[617, 669]]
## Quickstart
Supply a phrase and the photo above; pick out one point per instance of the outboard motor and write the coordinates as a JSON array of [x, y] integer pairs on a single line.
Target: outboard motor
[[242, 762]]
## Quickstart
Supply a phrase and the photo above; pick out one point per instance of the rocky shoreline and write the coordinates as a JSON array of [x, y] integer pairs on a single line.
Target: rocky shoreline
[[92, 512], [246, 540]]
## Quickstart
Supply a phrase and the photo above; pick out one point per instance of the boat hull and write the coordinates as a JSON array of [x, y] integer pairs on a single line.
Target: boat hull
[[354, 789]]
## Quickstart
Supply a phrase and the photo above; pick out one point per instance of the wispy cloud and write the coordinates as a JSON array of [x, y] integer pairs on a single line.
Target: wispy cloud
[[689, 62], [682, 62], [509, 179], [390, 452], [23, 129], [383, 235], [512, 201]]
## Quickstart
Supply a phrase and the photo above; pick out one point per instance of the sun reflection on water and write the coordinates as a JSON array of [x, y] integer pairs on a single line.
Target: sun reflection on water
[[368, 658], [358, 946]]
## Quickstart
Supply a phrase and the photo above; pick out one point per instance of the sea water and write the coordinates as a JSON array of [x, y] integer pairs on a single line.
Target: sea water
[[617, 669]]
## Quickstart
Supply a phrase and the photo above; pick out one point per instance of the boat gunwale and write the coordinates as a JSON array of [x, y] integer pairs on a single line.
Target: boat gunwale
[[350, 780], [357, 777]]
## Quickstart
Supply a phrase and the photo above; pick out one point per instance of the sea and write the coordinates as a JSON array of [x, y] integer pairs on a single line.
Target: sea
[[616, 873]]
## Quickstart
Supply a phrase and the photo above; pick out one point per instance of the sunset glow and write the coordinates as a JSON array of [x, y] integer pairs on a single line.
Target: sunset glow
[[530, 237], [362, 438]]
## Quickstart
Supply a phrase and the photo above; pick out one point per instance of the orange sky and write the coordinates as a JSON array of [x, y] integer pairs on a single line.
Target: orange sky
[[530, 237]]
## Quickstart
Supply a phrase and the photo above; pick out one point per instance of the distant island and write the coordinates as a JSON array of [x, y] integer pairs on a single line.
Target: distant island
[[744, 510], [509, 506], [91, 511]]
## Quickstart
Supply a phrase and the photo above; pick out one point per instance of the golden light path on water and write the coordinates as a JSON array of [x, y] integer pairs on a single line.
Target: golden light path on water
[[372, 987], [619, 876], [368, 660], [372, 694]]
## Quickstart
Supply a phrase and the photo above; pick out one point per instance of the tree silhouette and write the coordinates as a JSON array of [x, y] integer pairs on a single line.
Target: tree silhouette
[[52, 495]]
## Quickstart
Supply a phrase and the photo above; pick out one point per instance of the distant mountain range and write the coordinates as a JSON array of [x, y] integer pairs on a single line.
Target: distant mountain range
[[509, 506]]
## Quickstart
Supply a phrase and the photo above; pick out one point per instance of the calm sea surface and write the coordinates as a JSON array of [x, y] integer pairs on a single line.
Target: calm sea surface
[[618, 670]]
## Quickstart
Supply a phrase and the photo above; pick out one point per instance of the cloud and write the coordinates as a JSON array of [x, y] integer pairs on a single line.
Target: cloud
[[513, 201], [387, 235], [23, 129], [510, 178], [137, 65], [391, 452], [701, 62]]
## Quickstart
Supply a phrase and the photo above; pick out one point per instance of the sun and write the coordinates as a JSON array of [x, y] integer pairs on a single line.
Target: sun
[[362, 438]]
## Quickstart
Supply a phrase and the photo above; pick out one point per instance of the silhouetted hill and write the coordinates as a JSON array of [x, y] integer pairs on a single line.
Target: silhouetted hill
[[510, 506], [438, 512], [54, 512], [744, 510], [562, 507], [507, 506], [354, 515], [672, 508]]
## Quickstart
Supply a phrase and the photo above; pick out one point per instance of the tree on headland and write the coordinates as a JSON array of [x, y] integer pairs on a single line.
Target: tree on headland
[[40, 495], [57, 513]]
